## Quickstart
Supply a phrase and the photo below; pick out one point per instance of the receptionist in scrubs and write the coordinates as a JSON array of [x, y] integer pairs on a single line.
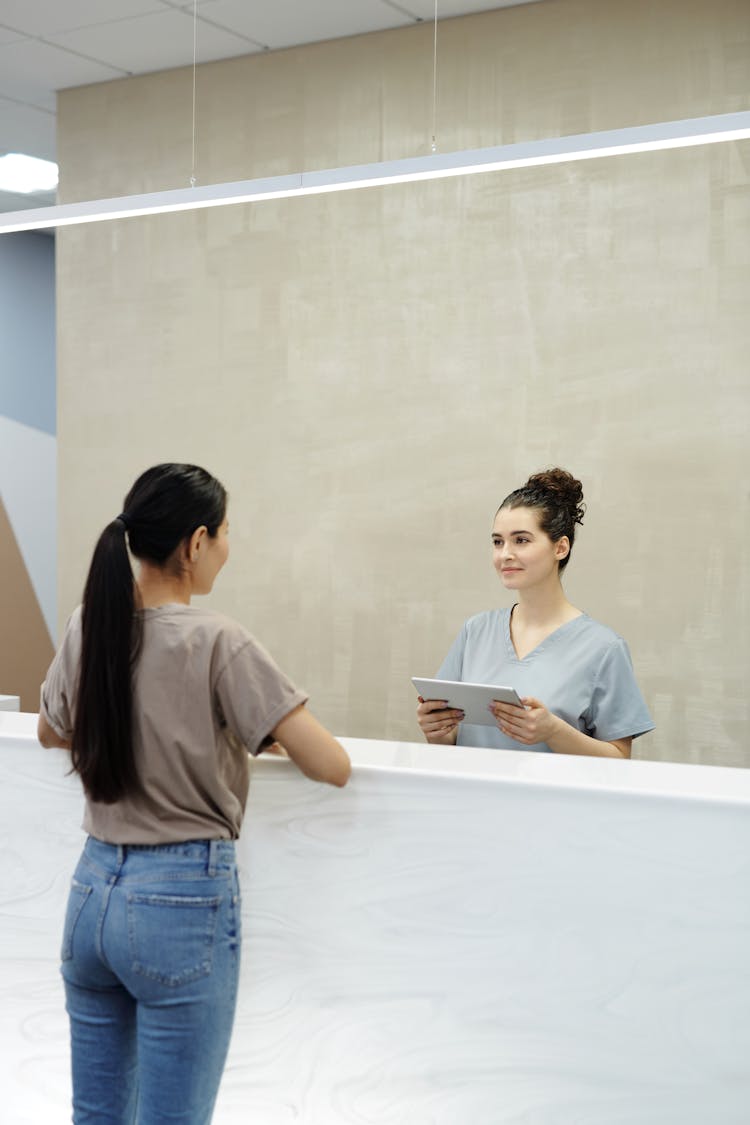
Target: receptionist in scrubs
[[574, 675]]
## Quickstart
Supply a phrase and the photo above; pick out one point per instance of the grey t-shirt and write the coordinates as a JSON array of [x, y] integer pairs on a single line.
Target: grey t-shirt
[[581, 672], [205, 693]]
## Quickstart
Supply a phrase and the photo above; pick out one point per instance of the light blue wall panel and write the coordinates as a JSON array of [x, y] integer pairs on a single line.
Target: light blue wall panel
[[27, 329]]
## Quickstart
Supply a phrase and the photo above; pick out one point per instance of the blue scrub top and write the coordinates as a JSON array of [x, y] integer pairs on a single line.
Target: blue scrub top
[[581, 672]]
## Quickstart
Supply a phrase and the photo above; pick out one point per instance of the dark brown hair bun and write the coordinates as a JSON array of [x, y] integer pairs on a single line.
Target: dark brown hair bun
[[564, 487]]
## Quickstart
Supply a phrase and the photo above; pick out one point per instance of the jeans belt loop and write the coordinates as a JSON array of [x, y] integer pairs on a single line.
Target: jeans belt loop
[[213, 856]]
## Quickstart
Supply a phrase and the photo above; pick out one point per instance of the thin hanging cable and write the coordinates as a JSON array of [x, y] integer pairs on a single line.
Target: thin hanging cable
[[434, 82], [195, 60]]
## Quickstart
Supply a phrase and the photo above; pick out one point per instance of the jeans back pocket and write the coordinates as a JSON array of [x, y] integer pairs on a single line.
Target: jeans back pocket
[[172, 936], [77, 898]]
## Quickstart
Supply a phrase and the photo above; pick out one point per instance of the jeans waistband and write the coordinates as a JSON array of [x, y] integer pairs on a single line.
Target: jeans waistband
[[211, 853]]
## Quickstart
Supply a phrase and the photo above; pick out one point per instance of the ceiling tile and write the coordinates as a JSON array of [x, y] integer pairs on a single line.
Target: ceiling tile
[[43, 100], [31, 70], [447, 9], [158, 41], [46, 17], [26, 128], [287, 23], [7, 35]]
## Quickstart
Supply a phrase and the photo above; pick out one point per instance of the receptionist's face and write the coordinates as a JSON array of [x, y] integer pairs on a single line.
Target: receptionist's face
[[523, 555]]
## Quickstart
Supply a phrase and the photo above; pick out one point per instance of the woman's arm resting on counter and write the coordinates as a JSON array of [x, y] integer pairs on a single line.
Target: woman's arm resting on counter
[[536, 724], [49, 737], [312, 748]]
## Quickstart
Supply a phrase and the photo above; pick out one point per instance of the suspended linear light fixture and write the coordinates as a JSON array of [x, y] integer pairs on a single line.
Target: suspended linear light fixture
[[555, 150]]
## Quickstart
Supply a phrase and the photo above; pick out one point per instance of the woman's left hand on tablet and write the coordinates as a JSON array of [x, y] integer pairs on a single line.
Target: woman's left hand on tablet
[[529, 724]]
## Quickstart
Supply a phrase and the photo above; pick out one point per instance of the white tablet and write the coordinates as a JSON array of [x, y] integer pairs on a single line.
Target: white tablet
[[472, 699]]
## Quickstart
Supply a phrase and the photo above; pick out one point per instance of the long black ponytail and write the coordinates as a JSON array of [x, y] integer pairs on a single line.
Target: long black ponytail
[[162, 510]]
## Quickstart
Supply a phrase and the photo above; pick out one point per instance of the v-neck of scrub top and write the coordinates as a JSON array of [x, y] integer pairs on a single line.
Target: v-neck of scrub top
[[543, 646]]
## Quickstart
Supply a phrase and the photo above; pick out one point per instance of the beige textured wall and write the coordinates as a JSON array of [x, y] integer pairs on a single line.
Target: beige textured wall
[[371, 373]]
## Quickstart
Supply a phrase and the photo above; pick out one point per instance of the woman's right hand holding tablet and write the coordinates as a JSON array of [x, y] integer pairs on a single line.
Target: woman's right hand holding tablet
[[439, 722]]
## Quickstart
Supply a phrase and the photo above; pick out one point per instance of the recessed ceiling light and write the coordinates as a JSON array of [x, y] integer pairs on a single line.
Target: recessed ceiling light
[[26, 174]]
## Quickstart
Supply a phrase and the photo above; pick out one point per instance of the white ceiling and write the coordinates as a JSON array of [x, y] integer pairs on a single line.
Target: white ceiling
[[50, 45]]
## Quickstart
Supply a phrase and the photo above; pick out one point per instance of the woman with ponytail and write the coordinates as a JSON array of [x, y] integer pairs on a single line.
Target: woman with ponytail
[[159, 703], [574, 676]]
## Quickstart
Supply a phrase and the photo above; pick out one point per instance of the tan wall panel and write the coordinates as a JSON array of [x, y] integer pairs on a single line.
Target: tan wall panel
[[370, 373], [26, 651]]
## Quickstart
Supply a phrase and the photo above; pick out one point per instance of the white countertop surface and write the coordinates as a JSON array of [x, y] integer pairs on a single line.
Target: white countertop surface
[[658, 779]]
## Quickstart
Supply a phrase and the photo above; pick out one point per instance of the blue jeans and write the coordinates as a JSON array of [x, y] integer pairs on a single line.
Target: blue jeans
[[150, 960]]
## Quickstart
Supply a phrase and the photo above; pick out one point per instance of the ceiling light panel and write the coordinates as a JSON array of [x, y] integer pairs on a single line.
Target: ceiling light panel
[[21, 173]]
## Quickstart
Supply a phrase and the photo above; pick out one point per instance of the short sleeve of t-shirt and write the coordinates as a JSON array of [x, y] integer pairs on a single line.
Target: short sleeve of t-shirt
[[617, 709], [253, 694], [56, 695]]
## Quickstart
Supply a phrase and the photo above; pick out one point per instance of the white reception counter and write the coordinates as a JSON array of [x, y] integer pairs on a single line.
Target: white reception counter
[[460, 937]]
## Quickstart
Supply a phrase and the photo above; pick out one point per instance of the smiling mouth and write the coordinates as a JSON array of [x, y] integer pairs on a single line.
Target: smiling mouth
[[510, 569]]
